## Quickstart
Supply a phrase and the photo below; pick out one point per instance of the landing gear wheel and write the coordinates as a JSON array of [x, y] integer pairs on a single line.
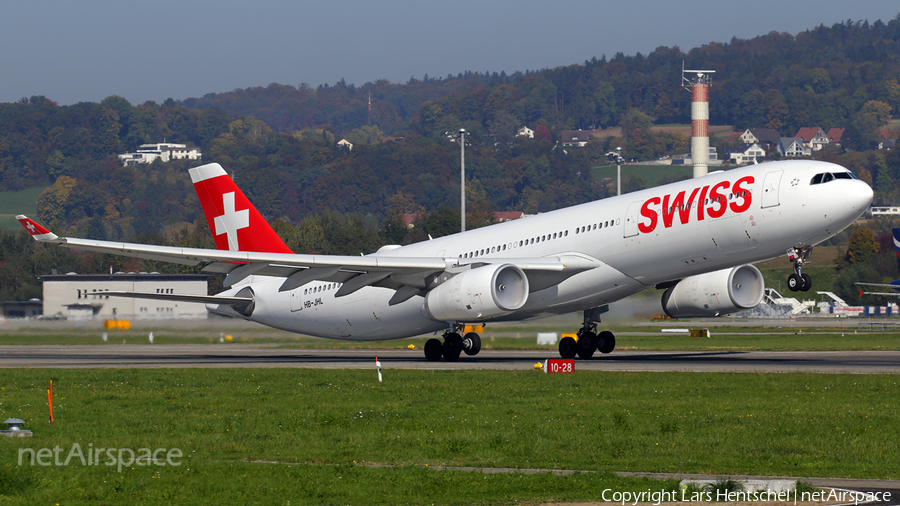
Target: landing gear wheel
[[453, 346], [567, 347], [794, 282], [807, 282], [587, 345], [433, 350], [471, 343], [607, 342]]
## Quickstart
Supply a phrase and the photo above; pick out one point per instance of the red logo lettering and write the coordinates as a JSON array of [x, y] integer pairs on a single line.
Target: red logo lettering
[[701, 202], [742, 194], [718, 200], [669, 210], [650, 214], [718, 204]]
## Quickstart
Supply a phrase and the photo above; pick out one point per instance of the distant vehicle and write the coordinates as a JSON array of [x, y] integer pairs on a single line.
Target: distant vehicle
[[694, 239]]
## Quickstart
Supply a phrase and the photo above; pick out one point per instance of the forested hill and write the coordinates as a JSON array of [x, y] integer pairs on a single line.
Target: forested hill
[[820, 77], [280, 141]]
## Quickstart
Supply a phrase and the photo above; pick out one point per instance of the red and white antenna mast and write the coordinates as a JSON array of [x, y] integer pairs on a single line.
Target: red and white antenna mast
[[698, 85]]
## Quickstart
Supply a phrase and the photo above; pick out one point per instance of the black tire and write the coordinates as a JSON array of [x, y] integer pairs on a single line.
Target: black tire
[[807, 282], [471, 343], [587, 345], [794, 282], [608, 342], [433, 350], [453, 346], [567, 347]]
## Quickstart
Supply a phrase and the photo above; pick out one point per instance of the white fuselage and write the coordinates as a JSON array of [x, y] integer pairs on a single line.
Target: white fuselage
[[634, 242]]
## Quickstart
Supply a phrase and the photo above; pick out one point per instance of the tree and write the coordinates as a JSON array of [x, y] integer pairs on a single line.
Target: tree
[[861, 247], [365, 135], [635, 124]]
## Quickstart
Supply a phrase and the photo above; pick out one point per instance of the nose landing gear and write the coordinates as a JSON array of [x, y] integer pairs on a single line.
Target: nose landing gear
[[799, 255]]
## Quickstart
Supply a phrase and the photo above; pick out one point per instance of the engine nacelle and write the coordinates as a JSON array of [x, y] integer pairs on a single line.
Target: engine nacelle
[[480, 293], [715, 293]]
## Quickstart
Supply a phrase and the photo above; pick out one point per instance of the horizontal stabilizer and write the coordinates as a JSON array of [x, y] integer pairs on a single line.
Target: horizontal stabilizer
[[201, 299]]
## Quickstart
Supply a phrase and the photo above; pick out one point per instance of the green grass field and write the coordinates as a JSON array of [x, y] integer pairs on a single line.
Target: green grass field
[[650, 174], [20, 202], [309, 436]]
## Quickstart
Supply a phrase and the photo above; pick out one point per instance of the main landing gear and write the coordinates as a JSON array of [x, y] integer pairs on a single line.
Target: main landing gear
[[454, 344], [799, 255], [589, 341]]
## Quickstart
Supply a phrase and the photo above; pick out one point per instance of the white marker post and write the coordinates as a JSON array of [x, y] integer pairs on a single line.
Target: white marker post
[[378, 366]]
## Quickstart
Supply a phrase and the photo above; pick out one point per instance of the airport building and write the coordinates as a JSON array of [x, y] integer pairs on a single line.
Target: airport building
[[80, 296]]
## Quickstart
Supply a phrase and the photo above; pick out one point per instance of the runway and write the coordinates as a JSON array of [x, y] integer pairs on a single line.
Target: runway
[[255, 356]]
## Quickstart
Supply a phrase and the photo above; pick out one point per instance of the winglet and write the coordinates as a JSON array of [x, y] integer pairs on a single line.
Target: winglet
[[38, 232]]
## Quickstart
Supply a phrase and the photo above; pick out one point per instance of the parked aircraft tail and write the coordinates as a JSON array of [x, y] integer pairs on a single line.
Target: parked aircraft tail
[[896, 232], [234, 221]]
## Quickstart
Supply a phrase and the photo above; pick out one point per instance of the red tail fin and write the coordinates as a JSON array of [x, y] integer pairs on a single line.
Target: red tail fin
[[234, 222]]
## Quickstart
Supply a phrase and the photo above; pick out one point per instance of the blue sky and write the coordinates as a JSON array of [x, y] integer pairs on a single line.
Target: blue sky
[[84, 51]]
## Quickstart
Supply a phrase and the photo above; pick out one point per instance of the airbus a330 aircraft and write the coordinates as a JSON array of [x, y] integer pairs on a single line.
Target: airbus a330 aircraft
[[694, 239]]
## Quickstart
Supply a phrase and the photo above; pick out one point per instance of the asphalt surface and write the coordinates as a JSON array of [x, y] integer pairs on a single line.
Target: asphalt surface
[[251, 356]]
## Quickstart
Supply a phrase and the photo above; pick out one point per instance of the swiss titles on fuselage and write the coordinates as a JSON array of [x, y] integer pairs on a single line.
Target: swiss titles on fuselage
[[707, 201]]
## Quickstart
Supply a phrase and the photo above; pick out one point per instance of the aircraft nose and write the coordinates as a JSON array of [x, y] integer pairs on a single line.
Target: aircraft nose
[[859, 196]]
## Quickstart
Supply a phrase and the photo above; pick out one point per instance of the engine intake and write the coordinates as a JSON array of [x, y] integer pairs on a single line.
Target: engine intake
[[715, 293], [480, 293]]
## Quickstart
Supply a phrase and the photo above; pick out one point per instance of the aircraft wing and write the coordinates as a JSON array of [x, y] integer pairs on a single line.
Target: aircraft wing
[[413, 275], [880, 285], [895, 293]]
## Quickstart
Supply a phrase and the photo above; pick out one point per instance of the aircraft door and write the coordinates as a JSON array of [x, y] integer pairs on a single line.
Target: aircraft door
[[296, 299], [631, 219], [770, 189]]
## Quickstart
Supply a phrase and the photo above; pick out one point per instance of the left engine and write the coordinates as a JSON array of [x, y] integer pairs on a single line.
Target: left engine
[[715, 293], [480, 293]]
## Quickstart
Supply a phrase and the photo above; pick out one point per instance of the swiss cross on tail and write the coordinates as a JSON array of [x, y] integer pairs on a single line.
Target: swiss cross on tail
[[38, 232], [234, 221]]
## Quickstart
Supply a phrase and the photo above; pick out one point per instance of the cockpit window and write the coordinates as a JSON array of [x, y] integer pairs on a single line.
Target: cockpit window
[[831, 176]]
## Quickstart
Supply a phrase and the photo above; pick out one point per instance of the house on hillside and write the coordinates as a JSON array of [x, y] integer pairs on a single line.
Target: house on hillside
[[525, 132], [164, 151], [575, 138], [834, 135], [345, 143], [793, 147], [766, 138], [747, 152], [501, 216], [814, 137]]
